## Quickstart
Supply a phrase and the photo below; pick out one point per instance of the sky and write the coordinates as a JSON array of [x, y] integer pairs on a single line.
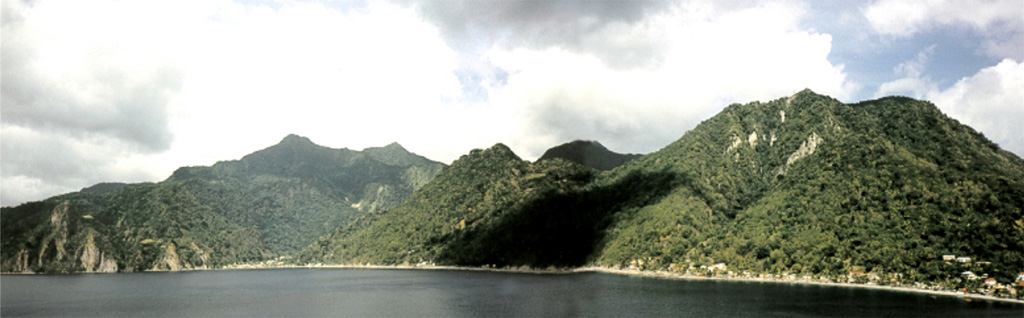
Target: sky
[[127, 91]]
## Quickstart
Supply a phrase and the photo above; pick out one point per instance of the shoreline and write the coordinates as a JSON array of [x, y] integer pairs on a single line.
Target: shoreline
[[655, 275], [678, 276], [588, 269]]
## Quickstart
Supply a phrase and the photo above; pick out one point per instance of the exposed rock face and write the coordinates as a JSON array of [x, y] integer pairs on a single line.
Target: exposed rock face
[[806, 148], [203, 256], [736, 141], [21, 262], [91, 255], [61, 228], [107, 265], [61, 221], [170, 260], [94, 260]]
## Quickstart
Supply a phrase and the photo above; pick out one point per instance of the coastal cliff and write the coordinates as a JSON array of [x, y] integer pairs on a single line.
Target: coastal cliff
[[265, 205]]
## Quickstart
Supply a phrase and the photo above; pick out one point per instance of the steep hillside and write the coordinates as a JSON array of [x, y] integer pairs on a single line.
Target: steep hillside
[[803, 185], [588, 153], [267, 204], [807, 185], [488, 207]]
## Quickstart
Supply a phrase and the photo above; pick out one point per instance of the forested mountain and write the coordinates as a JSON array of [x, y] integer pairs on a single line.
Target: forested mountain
[[803, 185], [810, 186], [269, 203], [484, 208], [588, 153]]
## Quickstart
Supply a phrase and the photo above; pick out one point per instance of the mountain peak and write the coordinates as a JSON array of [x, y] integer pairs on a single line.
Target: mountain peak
[[395, 146], [396, 155], [293, 139], [500, 149], [580, 142], [588, 153]]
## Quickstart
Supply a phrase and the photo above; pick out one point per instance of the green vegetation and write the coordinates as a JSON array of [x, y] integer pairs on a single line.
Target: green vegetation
[[588, 153], [803, 186], [890, 187], [458, 216], [270, 203]]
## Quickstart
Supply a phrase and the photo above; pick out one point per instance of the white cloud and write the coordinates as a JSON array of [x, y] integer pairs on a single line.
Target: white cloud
[[146, 87], [128, 91], [72, 74], [711, 59], [990, 101], [1000, 22], [38, 163], [913, 78], [354, 79]]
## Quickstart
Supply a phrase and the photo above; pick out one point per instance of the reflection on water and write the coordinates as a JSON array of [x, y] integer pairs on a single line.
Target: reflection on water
[[445, 293]]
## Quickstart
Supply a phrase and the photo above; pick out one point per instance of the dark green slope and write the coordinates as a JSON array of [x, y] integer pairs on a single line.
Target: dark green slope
[[492, 208], [270, 203], [588, 153], [488, 207], [803, 185], [886, 186]]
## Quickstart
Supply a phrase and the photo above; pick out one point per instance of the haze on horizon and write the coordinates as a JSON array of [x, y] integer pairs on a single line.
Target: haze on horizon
[[127, 91]]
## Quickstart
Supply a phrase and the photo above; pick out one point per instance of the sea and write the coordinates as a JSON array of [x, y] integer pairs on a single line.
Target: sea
[[338, 292]]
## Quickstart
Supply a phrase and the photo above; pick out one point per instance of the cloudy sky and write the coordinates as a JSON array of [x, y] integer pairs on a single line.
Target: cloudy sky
[[128, 91]]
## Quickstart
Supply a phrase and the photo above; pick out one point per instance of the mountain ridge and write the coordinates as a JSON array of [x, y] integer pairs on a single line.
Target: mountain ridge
[[802, 185], [264, 205], [588, 153]]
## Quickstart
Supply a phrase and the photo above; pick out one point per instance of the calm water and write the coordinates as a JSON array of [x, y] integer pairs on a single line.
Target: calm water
[[423, 293]]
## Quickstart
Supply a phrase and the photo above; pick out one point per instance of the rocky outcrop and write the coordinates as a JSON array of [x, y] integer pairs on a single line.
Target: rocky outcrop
[[62, 224], [806, 149], [107, 265], [91, 255], [61, 221], [94, 260], [170, 260], [203, 256], [20, 262]]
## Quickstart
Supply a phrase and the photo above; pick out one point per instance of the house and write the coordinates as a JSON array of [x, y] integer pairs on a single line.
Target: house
[[970, 275], [990, 282], [719, 267], [963, 259], [1020, 278], [948, 257]]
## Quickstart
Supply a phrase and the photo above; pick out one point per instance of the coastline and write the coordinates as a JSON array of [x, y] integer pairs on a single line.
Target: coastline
[[678, 276], [589, 269], [653, 274]]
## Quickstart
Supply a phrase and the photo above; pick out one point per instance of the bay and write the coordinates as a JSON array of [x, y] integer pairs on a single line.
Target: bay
[[327, 292]]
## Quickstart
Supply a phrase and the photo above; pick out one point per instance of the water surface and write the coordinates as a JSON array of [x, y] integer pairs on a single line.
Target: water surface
[[452, 293]]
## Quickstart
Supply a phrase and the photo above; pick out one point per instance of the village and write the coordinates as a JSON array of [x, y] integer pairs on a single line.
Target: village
[[965, 277]]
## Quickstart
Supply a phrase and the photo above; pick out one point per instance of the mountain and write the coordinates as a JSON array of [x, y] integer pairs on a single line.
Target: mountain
[[810, 186], [588, 153], [467, 215], [104, 187], [267, 204], [803, 185]]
